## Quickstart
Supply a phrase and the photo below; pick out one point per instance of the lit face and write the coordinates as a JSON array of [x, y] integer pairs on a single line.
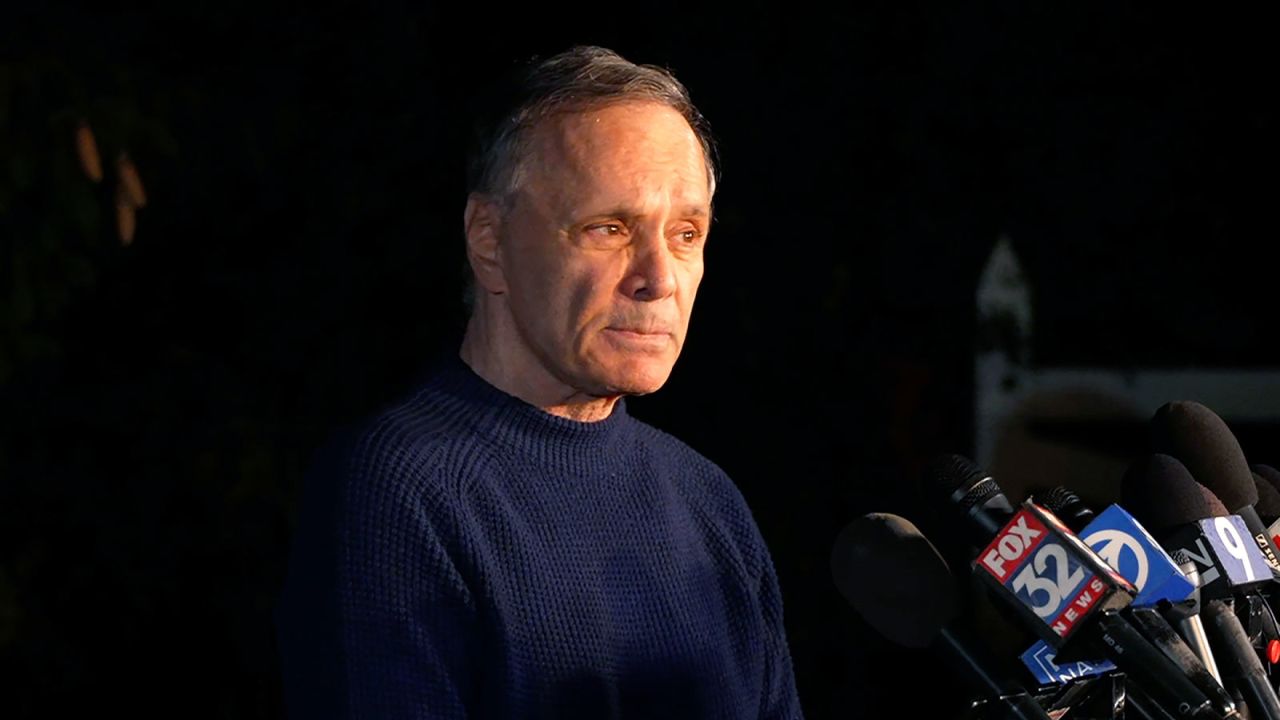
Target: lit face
[[601, 249]]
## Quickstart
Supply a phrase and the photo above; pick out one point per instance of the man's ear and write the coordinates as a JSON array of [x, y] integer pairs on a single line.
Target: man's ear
[[482, 221]]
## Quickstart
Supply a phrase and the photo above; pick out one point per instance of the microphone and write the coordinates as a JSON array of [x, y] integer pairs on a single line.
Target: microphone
[[1187, 615], [1127, 546], [981, 501], [1068, 507], [1188, 517], [1192, 523], [1062, 589], [1143, 481], [1270, 477], [896, 579], [1268, 505], [1241, 662], [1040, 659], [1195, 435]]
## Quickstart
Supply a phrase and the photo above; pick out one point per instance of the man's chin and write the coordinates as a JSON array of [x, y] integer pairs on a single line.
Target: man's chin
[[636, 381]]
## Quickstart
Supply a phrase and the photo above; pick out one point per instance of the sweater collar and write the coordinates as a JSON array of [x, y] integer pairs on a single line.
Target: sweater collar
[[548, 440]]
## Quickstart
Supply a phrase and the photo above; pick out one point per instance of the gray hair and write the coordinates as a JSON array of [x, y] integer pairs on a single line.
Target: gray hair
[[577, 80]]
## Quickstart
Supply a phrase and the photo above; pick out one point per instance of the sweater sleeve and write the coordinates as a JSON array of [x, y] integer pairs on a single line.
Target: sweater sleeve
[[728, 510], [409, 623], [376, 620], [780, 700]]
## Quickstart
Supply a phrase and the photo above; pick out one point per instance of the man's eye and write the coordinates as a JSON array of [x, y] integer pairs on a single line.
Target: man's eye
[[690, 237], [606, 229]]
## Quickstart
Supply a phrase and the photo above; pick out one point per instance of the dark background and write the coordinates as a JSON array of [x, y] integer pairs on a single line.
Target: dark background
[[299, 261]]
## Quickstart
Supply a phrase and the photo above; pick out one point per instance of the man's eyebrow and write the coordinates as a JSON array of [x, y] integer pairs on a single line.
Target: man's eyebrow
[[631, 212]]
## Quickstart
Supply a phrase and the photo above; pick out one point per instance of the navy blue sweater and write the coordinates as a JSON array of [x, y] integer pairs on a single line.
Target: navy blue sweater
[[469, 555]]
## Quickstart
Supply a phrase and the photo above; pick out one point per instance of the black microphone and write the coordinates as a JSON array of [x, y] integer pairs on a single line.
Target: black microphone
[[1267, 479], [1068, 507], [896, 579], [1195, 435], [1239, 660], [1191, 522], [1208, 449], [1186, 516], [974, 492], [1162, 493], [1261, 625], [1058, 586]]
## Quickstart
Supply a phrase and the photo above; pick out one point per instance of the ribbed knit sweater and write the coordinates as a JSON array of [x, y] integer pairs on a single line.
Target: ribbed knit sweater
[[468, 555]]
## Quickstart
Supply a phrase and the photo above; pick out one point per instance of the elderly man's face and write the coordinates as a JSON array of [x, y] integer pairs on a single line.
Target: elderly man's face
[[602, 247]]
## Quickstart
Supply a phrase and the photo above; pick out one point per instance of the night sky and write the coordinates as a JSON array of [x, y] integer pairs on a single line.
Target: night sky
[[298, 263]]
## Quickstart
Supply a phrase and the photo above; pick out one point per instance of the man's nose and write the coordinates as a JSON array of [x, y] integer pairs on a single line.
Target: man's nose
[[652, 272]]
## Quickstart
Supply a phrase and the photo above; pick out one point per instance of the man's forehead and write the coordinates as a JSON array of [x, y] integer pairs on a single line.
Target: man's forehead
[[608, 148], [619, 128]]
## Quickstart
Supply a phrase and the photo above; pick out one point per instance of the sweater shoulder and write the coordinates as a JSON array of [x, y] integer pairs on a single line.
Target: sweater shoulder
[[418, 445], [709, 489], [688, 465]]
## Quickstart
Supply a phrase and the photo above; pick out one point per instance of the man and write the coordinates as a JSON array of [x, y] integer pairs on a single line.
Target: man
[[508, 542]]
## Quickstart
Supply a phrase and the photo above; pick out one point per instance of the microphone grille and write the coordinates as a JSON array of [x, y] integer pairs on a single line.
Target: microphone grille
[[1059, 500], [979, 493], [951, 473]]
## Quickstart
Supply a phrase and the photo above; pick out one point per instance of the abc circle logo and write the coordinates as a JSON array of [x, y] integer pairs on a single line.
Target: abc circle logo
[[1121, 551]]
